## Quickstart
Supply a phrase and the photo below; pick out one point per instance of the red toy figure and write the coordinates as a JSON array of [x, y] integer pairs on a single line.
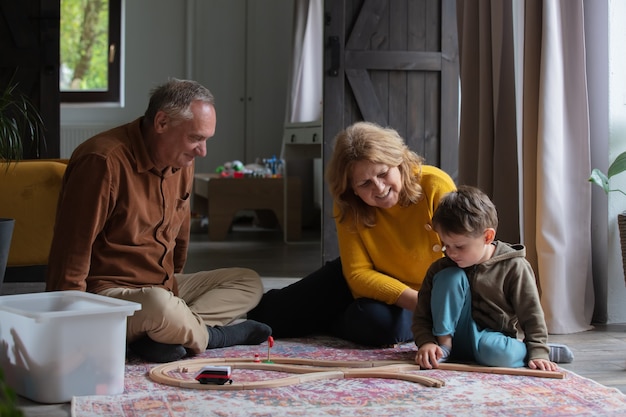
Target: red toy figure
[[270, 344]]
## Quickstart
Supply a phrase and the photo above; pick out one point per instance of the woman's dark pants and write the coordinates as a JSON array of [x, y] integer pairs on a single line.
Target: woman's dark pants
[[321, 303]]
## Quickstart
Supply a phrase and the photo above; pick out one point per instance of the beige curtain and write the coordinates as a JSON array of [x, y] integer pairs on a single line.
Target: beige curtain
[[555, 143], [551, 189]]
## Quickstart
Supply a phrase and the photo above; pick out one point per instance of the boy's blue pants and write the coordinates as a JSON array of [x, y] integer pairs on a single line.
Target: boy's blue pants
[[451, 308]]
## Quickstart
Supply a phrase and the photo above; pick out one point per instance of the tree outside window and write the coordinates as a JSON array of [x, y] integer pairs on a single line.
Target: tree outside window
[[90, 50]]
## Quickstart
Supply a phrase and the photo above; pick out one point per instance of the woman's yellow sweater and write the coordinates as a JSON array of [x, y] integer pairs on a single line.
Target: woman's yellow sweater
[[382, 261]]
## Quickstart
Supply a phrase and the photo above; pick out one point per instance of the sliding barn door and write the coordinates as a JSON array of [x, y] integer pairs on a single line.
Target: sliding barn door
[[29, 47], [393, 62]]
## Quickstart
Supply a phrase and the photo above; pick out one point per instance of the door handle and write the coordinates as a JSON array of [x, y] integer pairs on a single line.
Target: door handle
[[335, 50]]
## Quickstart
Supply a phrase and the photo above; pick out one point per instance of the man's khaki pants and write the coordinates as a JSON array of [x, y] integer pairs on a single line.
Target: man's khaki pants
[[211, 298]]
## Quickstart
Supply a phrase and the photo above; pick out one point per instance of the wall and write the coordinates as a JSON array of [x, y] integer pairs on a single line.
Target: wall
[[596, 40], [241, 50], [616, 291]]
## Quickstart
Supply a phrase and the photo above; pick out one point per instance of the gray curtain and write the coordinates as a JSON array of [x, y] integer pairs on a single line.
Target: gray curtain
[[488, 137]]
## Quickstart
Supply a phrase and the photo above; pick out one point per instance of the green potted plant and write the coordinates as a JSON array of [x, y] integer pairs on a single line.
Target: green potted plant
[[602, 180], [20, 124]]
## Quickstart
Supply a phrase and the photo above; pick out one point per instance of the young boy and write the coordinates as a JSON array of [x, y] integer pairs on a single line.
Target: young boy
[[474, 301]]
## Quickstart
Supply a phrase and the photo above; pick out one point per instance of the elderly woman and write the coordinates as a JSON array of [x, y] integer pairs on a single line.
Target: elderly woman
[[384, 198]]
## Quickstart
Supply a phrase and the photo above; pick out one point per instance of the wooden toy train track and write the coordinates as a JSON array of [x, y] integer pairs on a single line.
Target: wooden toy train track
[[176, 373]]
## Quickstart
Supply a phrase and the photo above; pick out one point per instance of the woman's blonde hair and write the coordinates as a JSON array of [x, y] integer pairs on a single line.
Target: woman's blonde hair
[[366, 141]]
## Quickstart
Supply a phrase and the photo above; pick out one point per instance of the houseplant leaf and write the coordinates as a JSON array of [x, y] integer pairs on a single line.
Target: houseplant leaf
[[618, 166], [602, 180], [598, 177]]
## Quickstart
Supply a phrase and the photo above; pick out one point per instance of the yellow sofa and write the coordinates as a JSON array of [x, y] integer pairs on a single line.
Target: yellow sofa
[[30, 192]]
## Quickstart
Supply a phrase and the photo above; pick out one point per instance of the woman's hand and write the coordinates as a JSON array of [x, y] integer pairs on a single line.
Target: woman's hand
[[427, 356], [408, 299]]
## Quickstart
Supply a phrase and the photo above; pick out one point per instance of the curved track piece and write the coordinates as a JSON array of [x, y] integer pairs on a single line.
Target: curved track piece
[[308, 370]]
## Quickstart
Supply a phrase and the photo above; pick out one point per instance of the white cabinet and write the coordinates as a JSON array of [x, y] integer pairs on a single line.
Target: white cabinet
[[241, 51]]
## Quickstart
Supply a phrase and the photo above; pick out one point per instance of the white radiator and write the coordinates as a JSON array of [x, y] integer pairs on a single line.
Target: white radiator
[[74, 135]]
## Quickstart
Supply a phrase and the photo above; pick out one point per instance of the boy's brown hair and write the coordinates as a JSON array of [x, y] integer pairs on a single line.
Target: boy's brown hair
[[466, 211]]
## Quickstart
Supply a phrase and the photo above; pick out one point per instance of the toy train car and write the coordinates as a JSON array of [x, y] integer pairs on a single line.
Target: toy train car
[[214, 375]]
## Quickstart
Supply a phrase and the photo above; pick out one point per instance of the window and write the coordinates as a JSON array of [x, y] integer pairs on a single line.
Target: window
[[90, 51]]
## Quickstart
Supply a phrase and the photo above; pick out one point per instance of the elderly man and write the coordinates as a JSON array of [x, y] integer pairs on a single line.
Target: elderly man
[[122, 230]]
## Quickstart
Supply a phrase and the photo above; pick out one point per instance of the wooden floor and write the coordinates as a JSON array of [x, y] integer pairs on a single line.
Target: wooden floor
[[600, 354]]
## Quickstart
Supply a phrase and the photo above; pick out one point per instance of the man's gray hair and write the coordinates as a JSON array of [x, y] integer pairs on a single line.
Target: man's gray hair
[[174, 98]]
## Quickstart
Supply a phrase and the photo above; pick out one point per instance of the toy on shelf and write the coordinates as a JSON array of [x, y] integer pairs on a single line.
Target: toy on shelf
[[264, 168], [274, 166], [234, 169]]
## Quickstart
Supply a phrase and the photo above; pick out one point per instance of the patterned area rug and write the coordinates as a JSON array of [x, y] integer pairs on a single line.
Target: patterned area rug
[[464, 393]]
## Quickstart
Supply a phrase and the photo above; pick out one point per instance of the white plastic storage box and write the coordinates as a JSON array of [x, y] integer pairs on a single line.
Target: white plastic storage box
[[55, 345]]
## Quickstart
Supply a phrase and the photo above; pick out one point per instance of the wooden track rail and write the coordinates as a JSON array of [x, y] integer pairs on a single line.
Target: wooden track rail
[[313, 370]]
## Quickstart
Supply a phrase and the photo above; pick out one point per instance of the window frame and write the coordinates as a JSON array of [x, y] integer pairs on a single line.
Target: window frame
[[112, 95]]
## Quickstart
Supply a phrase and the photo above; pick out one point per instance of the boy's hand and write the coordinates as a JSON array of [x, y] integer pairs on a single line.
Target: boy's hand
[[542, 364], [428, 355]]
